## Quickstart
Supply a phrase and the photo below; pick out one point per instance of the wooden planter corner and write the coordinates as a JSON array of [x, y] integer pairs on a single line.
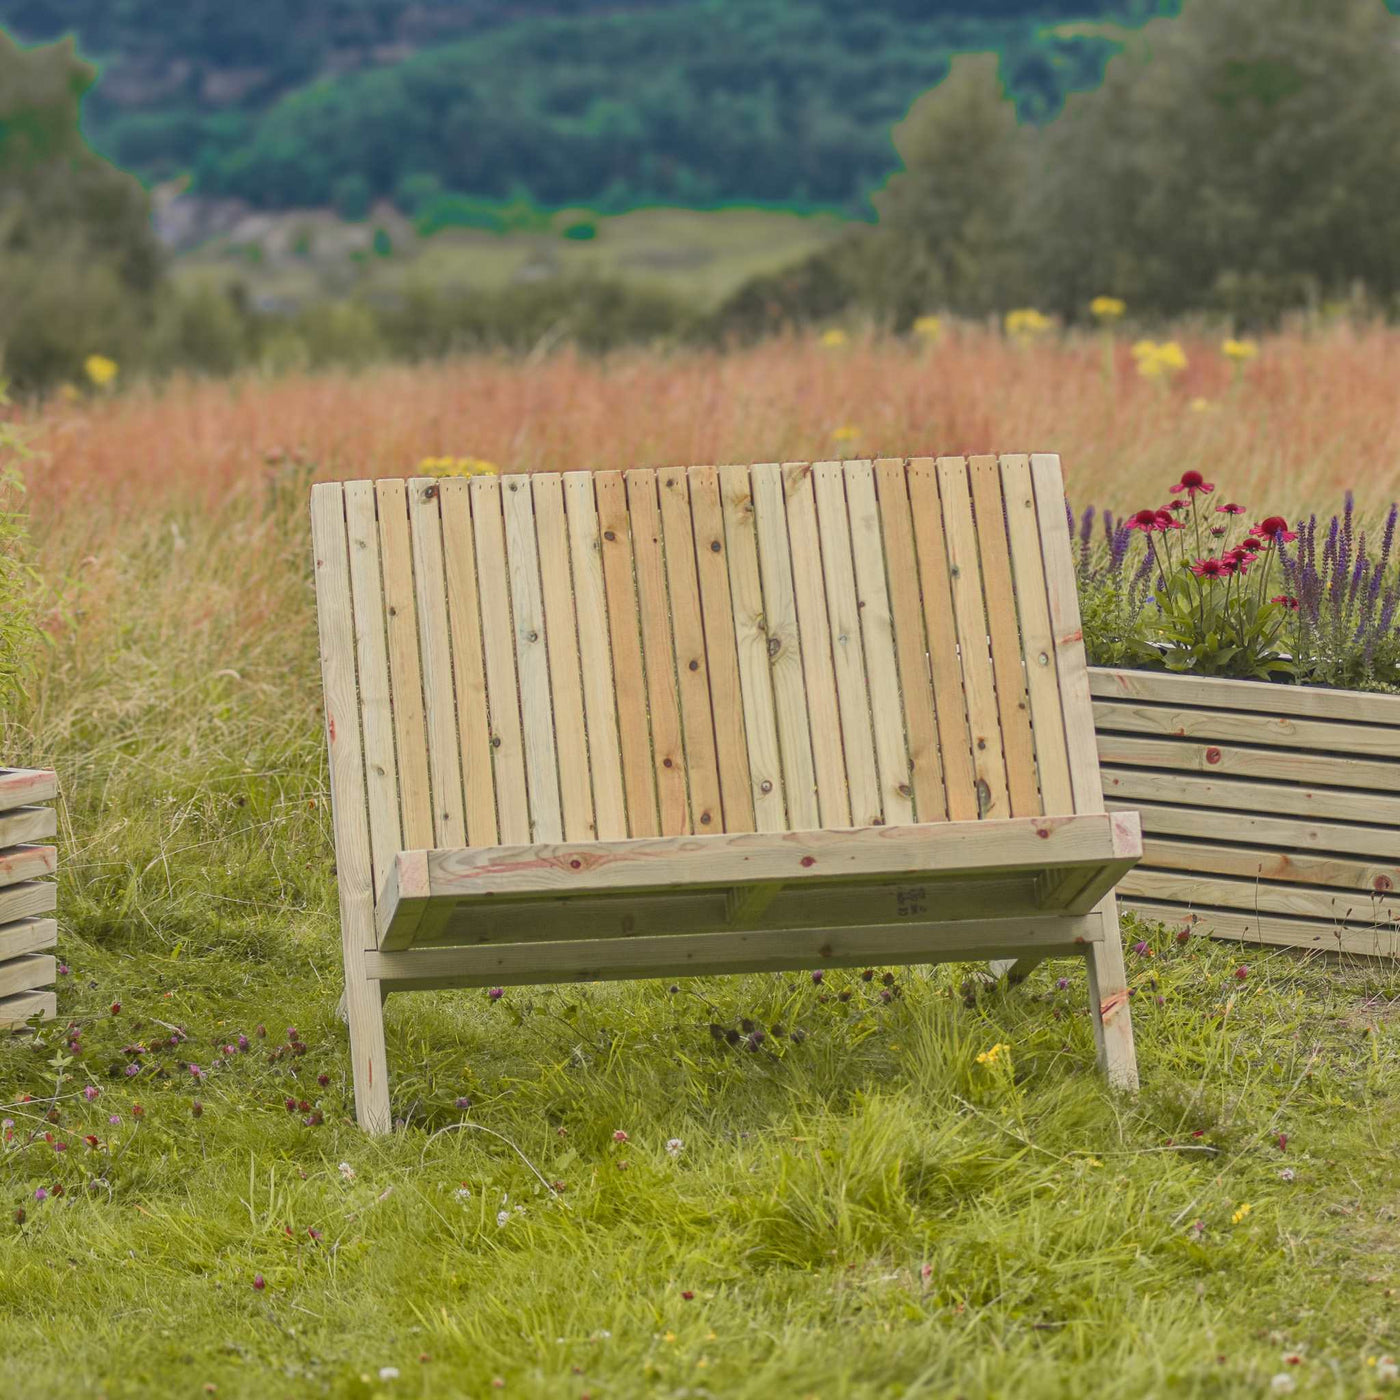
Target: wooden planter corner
[[27, 895], [1270, 813]]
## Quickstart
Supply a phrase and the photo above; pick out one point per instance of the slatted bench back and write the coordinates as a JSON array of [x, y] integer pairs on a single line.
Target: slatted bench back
[[659, 652]]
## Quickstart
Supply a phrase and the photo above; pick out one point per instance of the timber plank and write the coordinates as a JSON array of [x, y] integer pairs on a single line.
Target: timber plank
[[708, 954], [1258, 697], [468, 662], [624, 631], [24, 1006], [498, 649], [1038, 639], [1264, 897], [361, 529], [692, 663], [911, 648], [27, 936], [595, 656], [26, 863], [1008, 665], [26, 899], [405, 673], [945, 669], [787, 664], [752, 646], [847, 652], [19, 787], [24, 825], [659, 650], [1239, 794], [1381, 940], [721, 651], [435, 646], [532, 660], [565, 667], [26, 973], [877, 633], [969, 609], [1253, 863]]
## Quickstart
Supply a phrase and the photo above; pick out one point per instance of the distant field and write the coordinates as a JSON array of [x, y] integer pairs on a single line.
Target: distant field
[[700, 256]]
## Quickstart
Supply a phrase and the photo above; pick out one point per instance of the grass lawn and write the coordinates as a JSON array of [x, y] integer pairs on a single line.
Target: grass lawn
[[857, 1206]]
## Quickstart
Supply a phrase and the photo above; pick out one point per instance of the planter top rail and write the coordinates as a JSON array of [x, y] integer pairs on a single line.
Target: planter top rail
[[710, 719]]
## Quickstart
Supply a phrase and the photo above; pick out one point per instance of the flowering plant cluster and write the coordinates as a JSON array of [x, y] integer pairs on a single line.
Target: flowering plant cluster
[[1187, 587]]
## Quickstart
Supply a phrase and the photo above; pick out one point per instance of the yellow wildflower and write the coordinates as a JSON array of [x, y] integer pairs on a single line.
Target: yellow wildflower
[[930, 327], [100, 370], [990, 1057], [1027, 322], [1107, 308], [1239, 350], [833, 339], [1200, 405], [1156, 361], [1241, 1213], [847, 432]]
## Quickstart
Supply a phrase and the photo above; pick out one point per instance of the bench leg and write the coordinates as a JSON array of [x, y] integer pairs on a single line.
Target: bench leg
[[1108, 1002], [364, 1010], [1015, 969]]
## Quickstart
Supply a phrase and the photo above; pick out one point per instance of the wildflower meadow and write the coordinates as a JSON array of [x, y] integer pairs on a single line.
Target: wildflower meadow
[[838, 1184]]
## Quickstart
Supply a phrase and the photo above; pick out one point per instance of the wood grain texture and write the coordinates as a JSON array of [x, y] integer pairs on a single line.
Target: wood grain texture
[[565, 668], [1003, 629], [786, 662], [1251, 829], [911, 647], [498, 647], [22, 825], [435, 648], [1380, 941], [945, 667], [468, 662], [726, 699], [27, 936], [27, 899], [624, 631], [659, 652], [753, 643], [22, 786], [1037, 636], [877, 635], [24, 1006], [595, 656], [26, 863]]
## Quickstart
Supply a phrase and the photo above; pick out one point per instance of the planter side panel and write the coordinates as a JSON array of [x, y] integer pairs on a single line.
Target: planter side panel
[[28, 933], [1270, 813]]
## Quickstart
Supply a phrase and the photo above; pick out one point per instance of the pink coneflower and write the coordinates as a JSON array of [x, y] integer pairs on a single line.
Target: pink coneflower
[[1230, 508], [1212, 567], [1286, 600], [1274, 529], [1144, 520], [1191, 482]]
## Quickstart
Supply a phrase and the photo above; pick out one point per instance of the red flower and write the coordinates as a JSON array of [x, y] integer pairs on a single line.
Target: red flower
[[1211, 567], [1178, 505], [1249, 542], [1287, 600], [1230, 508], [1191, 482], [1144, 520], [1275, 530], [1165, 521]]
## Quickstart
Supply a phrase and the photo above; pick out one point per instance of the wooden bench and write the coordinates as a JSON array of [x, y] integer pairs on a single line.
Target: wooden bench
[[28, 896], [710, 720]]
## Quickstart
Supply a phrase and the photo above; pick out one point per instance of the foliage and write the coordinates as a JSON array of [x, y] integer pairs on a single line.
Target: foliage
[[697, 102], [18, 634], [1186, 601]]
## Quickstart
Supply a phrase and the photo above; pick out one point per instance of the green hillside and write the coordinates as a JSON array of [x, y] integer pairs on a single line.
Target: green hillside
[[290, 103]]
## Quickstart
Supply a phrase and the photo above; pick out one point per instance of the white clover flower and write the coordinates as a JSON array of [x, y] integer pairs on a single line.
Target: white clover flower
[[502, 1219], [347, 1171], [674, 1146], [388, 1373]]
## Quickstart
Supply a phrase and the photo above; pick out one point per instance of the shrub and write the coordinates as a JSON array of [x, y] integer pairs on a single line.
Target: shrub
[[18, 632]]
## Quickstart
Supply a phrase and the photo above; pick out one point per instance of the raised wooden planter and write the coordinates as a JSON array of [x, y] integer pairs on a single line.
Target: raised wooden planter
[[1269, 812], [27, 894]]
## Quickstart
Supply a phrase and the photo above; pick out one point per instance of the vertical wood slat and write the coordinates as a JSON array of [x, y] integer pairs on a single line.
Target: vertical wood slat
[[692, 663], [532, 660], [877, 632], [902, 569], [848, 661], [468, 665], [658, 649], [498, 647], [405, 675], [960, 535], [376, 712], [1077, 706], [595, 659], [833, 796], [430, 593], [624, 631], [1003, 629], [721, 652], [945, 668], [752, 643], [336, 638], [1042, 677], [565, 675]]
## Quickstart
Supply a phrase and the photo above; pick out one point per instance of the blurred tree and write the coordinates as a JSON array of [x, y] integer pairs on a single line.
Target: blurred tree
[[79, 262]]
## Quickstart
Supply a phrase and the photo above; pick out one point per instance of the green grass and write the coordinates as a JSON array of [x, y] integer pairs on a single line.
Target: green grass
[[865, 1211]]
